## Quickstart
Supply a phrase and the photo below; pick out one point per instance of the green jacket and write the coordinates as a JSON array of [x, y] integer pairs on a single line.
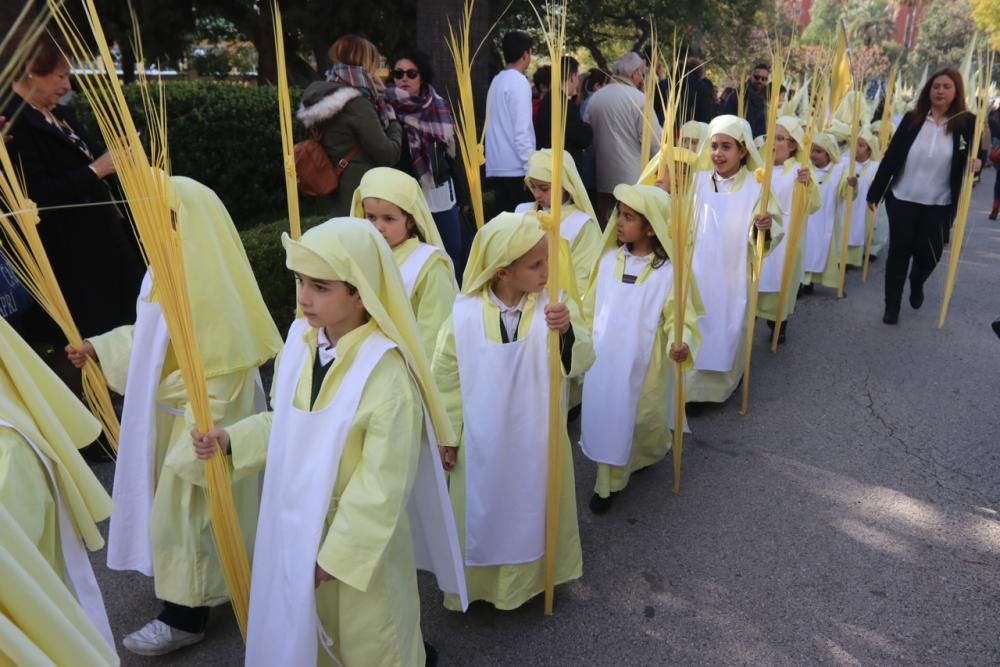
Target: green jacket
[[344, 119]]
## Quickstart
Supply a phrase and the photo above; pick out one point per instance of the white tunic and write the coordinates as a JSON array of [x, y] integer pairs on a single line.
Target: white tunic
[[822, 223]]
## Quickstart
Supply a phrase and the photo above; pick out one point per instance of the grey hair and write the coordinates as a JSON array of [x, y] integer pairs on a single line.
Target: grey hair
[[627, 64]]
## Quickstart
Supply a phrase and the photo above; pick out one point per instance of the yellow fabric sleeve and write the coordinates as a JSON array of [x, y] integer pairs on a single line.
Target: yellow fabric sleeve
[[433, 298], [114, 350], [444, 367], [585, 251]]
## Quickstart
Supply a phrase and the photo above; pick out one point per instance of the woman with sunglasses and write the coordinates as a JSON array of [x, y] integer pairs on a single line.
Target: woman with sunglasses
[[350, 117], [428, 150]]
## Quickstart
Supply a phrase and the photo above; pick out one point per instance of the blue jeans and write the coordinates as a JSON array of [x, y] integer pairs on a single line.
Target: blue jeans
[[451, 233]]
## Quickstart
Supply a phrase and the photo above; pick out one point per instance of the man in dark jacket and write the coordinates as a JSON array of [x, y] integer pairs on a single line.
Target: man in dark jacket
[[756, 100], [578, 134]]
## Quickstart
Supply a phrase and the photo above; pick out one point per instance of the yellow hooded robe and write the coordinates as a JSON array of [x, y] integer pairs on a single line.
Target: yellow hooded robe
[[434, 286], [371, 610], [498, 244], [652, 438], [235, 336]]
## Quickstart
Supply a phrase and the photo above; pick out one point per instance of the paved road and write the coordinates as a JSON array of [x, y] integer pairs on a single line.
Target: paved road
[[850, 519]]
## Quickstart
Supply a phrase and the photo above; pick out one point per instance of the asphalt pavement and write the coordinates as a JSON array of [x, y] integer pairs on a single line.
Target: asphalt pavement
[[851, 518]]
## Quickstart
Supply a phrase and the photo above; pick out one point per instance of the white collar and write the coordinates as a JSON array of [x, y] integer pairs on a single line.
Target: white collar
[[327, 350], [719, 179], [504, 308], [638, 258]]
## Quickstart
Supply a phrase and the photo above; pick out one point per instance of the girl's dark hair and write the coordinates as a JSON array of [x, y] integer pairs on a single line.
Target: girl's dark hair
[[660, 256], [415, 229], [956, 117], [422, 61], [596, 77]]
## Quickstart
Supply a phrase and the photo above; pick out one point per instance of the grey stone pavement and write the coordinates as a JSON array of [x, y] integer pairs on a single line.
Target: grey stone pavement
[[850, 519]]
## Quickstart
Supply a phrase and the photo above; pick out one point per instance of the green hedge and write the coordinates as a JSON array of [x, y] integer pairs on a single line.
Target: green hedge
[[267, 258], [226, 136]]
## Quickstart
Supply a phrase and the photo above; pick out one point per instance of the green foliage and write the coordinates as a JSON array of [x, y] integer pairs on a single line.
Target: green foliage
[[267, 259], [945, 33], [227, 137], [824, 16]]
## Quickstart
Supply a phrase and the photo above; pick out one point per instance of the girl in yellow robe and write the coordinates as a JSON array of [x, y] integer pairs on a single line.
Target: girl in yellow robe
[[822, 242], [491, 366], [788, 139], [628, 393], [352, 395], [162, 526], [41, 623], [579, 224], [45, 485], [729, 215], [393, 202]]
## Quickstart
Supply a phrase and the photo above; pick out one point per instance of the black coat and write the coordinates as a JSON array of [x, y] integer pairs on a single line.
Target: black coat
[[92, 249], [891, 166], [579, 133]]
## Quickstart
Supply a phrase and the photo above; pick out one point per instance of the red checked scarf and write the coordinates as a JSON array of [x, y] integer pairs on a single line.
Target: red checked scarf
[[358, 78], [426, 118]]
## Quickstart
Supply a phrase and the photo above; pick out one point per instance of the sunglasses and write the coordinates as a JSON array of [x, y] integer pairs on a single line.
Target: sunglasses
[[408, 73]]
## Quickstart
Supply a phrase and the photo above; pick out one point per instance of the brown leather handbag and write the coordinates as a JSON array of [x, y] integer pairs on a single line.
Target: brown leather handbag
[[317, 176]]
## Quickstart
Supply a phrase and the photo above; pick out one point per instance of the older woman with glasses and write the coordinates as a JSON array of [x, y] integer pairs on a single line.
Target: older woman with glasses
[[428, 149]]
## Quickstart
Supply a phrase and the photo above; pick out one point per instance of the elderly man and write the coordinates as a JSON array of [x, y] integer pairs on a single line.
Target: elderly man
[[615, 113]]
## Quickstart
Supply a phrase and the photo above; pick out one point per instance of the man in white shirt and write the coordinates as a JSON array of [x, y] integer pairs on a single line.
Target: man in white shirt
[[616, 114], [510, 134]]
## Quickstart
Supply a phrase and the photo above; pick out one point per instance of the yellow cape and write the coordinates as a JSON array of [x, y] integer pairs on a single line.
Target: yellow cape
[[540, 169], [36, 402], [502, 241], [221, 284], [402, 190], [41, 622], [828, 143], [351, 250]]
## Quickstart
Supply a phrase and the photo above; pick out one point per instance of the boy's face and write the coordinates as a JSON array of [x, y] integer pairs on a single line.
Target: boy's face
[[819, 157], [530, 272], [329, 304], [631, 225]]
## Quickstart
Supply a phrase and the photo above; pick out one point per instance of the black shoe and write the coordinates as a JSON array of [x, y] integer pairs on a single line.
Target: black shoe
[[806, 289], [574, 414], [781, 334], [600, 505], [916, 296], [693, 409], [996, 327], [872, 259], [432, 655], [891, 316]]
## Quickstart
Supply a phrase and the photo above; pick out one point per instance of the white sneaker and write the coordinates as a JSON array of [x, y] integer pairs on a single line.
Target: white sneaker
[[158, 638]]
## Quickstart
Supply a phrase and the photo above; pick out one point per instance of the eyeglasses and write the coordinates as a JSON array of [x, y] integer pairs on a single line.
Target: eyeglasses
[[408, 73]]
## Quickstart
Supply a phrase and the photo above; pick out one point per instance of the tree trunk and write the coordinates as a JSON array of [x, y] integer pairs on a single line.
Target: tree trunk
[[433, 17], [263, 41]]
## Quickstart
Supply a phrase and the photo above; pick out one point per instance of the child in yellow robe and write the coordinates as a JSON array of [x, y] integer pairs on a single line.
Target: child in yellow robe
[[821, 261], [491, 366], [45, 485], [41, 622], [344, 460], [393, 202], [628, 414], [788, 139], [729, 216], [579, 224], [161, 526]]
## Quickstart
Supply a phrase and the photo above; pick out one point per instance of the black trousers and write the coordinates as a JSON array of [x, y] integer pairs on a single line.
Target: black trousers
[[188, 619], [508, 192], [917, 234]]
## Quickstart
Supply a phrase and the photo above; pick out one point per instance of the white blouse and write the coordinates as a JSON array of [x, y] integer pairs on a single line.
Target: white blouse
[[926, 177]]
